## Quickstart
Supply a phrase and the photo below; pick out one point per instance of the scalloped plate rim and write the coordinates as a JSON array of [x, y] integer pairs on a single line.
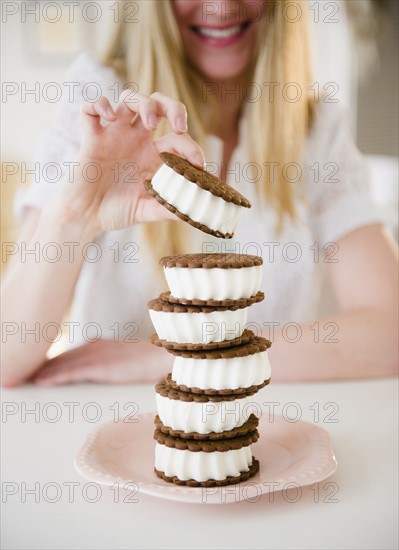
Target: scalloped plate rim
[[194, 495]]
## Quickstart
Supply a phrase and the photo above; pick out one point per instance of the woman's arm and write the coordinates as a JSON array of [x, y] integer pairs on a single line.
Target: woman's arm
[[35, 293], [107, 362], [365, 280]]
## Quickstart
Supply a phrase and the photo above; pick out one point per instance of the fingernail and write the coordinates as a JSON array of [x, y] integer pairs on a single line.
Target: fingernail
[[152, 120], [110, 112], [181, 124], [199, 159]]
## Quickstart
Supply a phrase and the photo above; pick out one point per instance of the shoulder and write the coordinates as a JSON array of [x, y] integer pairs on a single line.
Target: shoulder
[[86, 67], [333, 164], [88, 79], [336, 176], [331, 128]]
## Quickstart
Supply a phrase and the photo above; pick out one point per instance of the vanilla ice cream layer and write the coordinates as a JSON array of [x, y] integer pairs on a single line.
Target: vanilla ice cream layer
[[213, 284], [202, 466], [196, 203], [204, 417], [199, 328], [222, 374]]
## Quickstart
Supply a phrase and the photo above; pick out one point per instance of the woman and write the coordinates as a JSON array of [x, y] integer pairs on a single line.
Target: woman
[[241, 71]]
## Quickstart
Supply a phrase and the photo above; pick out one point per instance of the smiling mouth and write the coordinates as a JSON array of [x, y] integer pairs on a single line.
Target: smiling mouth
[[221, 34]]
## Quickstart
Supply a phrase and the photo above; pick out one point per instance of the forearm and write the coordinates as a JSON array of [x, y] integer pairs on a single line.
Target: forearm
[[107, 362], [37, 291], [150, 363], [355, 344]]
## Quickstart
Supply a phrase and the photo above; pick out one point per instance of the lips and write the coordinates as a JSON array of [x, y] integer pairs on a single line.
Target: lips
[[220, 36]]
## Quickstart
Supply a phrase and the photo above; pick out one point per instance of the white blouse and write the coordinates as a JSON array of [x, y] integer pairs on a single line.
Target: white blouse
[[117, 278]]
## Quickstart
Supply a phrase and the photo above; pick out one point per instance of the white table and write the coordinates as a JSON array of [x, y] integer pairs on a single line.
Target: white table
[[38, 451]]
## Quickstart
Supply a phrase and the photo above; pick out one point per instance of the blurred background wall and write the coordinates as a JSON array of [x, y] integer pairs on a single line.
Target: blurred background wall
[[355, 46]]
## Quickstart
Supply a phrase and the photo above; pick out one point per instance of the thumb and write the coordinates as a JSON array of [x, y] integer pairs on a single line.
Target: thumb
[[149, 209]]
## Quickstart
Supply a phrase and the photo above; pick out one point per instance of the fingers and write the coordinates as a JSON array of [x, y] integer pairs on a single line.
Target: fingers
[[93, 112], [174, 111], [149, 210], [61, 374], [74, 365], [70, 370], [139, 104], [148, 111], [151, 108], [184, 146]]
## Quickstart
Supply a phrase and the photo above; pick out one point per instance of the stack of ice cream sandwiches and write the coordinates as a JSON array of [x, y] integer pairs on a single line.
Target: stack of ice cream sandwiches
[[206, 424]]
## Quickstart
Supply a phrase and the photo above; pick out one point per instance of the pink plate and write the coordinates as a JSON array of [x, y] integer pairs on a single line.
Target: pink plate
[[290, 454]]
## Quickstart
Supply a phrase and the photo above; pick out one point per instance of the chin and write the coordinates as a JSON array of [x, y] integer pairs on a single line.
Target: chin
[[222, 70]]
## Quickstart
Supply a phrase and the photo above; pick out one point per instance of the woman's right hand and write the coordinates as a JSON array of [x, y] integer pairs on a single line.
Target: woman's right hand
[[108, 192]]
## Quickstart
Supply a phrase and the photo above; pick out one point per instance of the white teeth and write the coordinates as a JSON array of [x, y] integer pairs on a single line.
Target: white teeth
[[219, 33]]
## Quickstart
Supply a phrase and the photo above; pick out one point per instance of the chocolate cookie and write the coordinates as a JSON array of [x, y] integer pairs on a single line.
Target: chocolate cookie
[[230, 480], [206, 445], [159, 304], [211, 261], [199, 391], [204, 179], [256, 344], [249, 426], [164, 389], [169, 346], [229, 304]]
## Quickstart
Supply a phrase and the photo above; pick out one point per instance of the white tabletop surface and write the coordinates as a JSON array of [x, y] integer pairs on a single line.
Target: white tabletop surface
[[37, 452]]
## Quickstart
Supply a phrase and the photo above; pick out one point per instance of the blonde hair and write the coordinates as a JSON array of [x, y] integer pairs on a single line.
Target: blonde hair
[[151, 53]]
